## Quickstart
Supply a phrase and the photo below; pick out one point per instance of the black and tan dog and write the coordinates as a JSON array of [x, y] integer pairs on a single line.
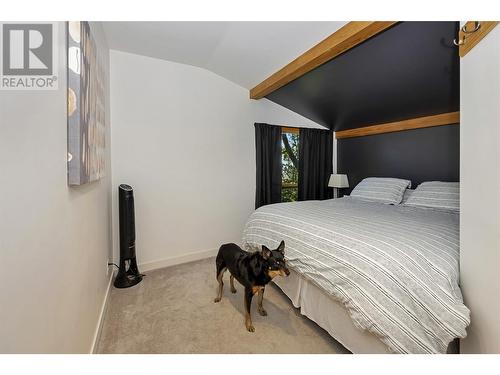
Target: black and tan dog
[[252, 270]]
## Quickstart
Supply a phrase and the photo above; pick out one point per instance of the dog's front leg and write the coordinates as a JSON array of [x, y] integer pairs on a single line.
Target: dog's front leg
[[248, 304], [260, 297]]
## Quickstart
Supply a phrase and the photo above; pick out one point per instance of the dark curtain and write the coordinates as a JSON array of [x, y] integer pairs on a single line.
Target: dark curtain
[[315, 164], [268, 152]]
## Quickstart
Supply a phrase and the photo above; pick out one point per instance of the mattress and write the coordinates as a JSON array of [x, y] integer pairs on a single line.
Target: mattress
[[395, 269], [329, 314]]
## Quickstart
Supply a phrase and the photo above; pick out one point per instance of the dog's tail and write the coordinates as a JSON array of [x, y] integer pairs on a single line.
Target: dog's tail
[[220, 264]]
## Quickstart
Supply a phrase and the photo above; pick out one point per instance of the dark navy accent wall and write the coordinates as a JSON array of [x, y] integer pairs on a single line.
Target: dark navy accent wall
[[410, 70], [428, 154]]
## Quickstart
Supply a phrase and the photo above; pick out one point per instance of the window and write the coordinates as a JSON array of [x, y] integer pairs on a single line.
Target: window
[[289, 162]]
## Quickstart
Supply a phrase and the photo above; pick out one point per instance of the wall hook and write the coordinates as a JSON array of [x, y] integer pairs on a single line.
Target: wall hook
[[477, 26], [460, 42]]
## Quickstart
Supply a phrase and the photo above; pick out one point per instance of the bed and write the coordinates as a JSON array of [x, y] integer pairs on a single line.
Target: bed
[[379, 278]]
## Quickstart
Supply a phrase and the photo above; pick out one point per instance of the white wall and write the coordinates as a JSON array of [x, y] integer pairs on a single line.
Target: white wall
[[480, 193], [54, 240], [183, 138]]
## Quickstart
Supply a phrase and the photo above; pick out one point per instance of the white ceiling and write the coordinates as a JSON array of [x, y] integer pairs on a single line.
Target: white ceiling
[[243, 52]]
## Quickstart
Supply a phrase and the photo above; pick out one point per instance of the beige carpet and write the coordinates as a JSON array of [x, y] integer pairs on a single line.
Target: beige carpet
[[172, 311]]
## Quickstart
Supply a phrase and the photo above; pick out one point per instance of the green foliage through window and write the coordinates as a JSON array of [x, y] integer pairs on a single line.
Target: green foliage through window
[[289, 161]]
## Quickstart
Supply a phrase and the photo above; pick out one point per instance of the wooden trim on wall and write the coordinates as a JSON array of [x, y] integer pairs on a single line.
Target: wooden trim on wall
[[345, 38], [414, 123], [470, 40], [286, 129]]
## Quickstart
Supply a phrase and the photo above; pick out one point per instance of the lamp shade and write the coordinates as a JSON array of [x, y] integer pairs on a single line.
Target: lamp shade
[[338, 181]]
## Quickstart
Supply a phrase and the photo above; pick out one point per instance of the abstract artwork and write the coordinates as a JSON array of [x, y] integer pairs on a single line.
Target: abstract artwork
[[86, 106]]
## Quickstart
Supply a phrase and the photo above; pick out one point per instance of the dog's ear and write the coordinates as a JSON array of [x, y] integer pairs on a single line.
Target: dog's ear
[[266, 253], [281, 247]]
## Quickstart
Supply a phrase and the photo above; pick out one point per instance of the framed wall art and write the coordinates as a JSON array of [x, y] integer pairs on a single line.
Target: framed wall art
[[86, 106]]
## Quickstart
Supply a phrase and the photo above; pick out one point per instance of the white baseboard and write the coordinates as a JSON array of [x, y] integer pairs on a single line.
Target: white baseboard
[[185, 258], [97, 333]]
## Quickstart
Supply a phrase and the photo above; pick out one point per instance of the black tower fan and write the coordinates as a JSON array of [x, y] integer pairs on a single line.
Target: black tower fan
[[128, 274]]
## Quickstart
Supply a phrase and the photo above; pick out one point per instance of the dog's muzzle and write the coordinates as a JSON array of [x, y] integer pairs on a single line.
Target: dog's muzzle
[[284, 272]]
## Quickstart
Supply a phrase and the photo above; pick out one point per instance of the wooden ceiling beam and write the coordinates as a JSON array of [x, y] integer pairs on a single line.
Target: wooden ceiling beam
[[287, 129], [409, 124], [345, 38], [474, 35]]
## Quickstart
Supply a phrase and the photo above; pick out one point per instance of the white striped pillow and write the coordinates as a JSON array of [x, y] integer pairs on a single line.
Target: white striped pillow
[[383, 190], [436, 194]]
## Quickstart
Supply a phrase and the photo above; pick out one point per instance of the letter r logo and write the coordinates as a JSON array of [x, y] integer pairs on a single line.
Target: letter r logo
[[27, 49]]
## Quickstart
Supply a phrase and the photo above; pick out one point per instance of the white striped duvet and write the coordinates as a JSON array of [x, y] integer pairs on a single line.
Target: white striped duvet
[[394, 268]]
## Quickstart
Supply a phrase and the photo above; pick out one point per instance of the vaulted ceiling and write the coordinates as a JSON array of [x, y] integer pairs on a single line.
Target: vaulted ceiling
[[243, 52], [409, 70]]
